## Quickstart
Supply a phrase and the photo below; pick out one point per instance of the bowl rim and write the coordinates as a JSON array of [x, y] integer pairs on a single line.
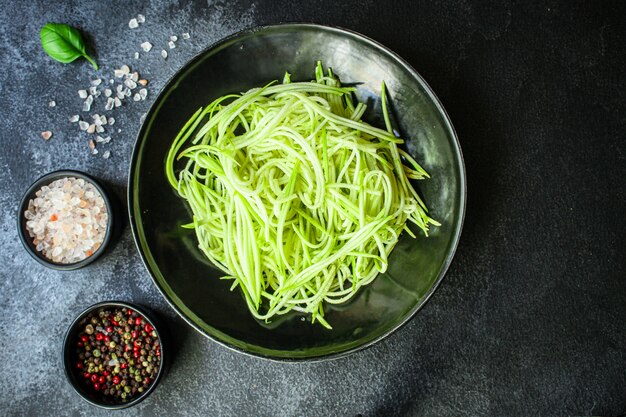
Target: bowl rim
[[21, 220], [456, 235], [67, 367]]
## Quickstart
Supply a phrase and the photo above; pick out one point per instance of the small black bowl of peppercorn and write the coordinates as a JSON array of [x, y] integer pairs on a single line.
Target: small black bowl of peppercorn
[[113, 355]]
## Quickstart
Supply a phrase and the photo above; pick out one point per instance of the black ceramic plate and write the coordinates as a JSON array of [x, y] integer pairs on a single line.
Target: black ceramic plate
[[253, 58]]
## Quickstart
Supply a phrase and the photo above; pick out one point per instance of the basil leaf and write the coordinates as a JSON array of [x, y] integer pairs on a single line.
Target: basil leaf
[[64, 43]]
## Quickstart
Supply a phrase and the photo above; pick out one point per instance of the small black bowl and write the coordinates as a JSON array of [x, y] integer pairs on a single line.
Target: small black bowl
[[70, 357], [28, 241]]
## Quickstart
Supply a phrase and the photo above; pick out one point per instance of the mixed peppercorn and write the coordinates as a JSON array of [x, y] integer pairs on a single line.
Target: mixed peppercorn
[[118, 353]]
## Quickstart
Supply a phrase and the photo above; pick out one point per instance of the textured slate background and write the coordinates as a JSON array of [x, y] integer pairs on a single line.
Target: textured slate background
[[530, 319]]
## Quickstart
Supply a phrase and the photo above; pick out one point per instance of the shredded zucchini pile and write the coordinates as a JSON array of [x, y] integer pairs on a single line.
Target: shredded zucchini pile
[[294, 198]]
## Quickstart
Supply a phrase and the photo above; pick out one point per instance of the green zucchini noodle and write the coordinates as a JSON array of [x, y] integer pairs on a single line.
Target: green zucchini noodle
[[296, 199]]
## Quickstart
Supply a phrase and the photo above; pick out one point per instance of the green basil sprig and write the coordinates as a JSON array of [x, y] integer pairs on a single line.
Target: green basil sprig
[[64, 43]]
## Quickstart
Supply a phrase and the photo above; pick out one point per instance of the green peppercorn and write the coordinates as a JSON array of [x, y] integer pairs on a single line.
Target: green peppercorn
[[138, 378], [144, 364], [116, 370], [140, 389], [123, 395], [96, 353], [113, 356], [112, 344]]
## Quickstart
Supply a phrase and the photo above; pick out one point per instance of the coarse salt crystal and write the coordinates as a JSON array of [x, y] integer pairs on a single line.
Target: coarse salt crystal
[[99, 129], [141, 18], [111, 121], [143, 93], [127, 92], [110, 104], [106, 154], [146, 46], [94, 152], [91, 128], [118, 73], [46, 135], [93, 91], [107, 92], [103, 119], [136, 97], [164, 53], [111, 81], [83, 125], [52, 103], [133, 23], [130, 83], [125, 69], [136, 55], [86, 105], [186, 35], [74, 118], [117, 102], [82, 93], [134, 76], [96, 82], [173, 38], [171, 44]]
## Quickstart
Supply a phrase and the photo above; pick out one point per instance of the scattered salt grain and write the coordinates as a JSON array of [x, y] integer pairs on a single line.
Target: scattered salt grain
[[96, 82], [67, 220], [118, 73], [141, 18], [171, 44], [103, 120], [125, 69], [111, 81], [186, 35], [146, 46], [143, 93], [164, 53], [130, 83], [93, 91], [107, 92], [91, 128], [173, 38], [94, 152], [83, 125], [111, 121], [110, 104], [52, 103], [74, 118], [136, 55], [82, 93], [133, 23], [136, 97], [46, 135], [117, 102], [106, 154], [99, 129], [134, 76]]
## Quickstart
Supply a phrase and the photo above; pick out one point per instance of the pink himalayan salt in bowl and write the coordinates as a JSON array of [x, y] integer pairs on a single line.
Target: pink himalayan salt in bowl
[[65, 220]]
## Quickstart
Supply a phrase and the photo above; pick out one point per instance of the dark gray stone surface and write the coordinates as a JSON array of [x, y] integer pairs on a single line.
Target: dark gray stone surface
[[530, 319]]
